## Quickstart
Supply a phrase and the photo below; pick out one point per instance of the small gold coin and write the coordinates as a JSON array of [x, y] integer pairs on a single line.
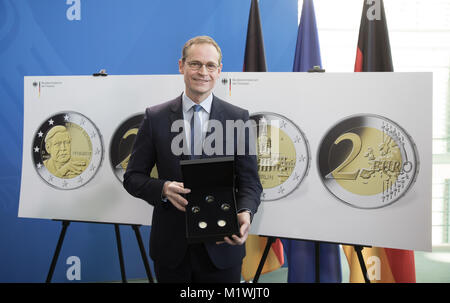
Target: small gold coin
[[225, 207], [221, 223]]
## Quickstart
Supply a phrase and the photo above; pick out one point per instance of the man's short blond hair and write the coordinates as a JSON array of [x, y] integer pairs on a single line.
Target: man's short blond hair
[[200, 40]]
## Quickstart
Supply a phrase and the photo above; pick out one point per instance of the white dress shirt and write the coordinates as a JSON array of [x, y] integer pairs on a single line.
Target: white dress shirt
[[188, 111]]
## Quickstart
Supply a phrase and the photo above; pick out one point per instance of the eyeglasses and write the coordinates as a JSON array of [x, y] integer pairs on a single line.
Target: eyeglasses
[[196, 65]]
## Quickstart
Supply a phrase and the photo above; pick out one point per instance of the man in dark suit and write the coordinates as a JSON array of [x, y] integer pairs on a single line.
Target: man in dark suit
[[175, 260]]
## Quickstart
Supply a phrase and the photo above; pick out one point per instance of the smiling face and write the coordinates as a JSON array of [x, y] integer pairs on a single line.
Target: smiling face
[[200, 81]]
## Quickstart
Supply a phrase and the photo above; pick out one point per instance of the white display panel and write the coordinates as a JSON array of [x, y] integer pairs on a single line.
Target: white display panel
[[313, 102]]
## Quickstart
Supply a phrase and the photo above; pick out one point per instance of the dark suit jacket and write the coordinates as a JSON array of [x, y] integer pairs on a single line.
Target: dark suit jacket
[[153, 146]]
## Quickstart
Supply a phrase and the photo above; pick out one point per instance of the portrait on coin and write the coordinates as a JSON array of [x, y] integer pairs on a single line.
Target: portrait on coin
[[60, 162]]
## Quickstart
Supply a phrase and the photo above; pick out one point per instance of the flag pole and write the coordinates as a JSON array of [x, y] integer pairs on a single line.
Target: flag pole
[[317, 69], [358, 249]]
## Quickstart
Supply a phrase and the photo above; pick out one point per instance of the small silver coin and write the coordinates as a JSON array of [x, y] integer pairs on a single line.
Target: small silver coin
[[202, 224], [209, 199]]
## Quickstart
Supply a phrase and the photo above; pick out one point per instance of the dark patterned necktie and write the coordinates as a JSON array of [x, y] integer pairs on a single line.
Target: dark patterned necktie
[[196, 132]]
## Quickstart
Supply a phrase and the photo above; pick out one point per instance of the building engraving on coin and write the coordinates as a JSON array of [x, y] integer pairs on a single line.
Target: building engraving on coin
[[283, 155], [122, 143], [368, 161], [67, 150]]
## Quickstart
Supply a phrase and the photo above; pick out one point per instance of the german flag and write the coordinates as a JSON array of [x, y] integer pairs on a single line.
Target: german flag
[[374, 51], [374, 55], [254, 58]]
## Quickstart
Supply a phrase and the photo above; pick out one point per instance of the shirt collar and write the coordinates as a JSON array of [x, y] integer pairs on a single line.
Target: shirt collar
[[205, 104]]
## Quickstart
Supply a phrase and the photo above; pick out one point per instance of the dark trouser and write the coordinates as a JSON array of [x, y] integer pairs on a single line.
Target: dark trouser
[[197, 267]]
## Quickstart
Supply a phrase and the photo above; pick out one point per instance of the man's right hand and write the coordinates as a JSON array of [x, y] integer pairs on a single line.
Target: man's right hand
[[172, 191]]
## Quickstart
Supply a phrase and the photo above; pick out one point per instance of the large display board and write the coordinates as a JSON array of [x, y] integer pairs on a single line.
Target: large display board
[[342, 157]]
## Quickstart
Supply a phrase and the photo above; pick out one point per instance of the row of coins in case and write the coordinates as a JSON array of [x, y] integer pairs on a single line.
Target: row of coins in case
[[220, 223], [224, 207]]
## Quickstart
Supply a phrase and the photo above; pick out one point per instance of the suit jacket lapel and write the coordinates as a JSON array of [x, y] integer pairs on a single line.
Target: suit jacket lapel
[[217, 114], [176, 113]]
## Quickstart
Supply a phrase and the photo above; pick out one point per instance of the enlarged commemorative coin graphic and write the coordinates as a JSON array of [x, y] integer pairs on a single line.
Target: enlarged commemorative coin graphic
[[67, 150], [122, 143], [283, 155], [368, 161]]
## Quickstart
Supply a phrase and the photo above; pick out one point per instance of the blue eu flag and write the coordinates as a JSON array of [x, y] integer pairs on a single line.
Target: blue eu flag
[[301, 254]]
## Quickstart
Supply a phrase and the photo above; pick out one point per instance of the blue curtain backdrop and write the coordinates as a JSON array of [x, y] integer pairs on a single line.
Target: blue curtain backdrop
[[124, 37]]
